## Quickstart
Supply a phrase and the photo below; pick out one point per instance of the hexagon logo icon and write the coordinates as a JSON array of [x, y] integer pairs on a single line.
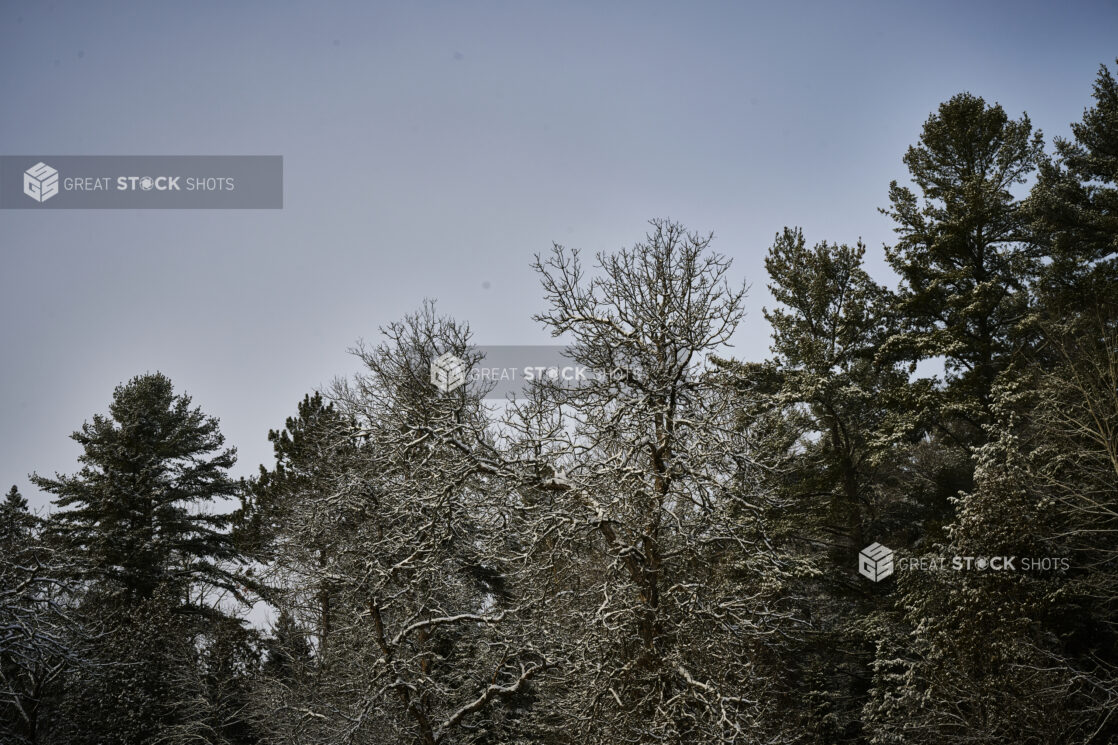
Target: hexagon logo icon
[[875, 562], [448, 372], [40, 182]]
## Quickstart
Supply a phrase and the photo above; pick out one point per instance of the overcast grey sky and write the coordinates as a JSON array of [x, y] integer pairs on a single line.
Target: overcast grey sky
[[431, 149]]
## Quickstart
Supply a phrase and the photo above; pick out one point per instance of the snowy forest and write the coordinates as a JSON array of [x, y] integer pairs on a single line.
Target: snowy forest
[[668, 555]]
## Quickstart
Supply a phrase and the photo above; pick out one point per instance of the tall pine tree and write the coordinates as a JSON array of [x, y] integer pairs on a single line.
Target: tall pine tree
[[139, 512], [148, 546], [1074, 207], [963, 252]]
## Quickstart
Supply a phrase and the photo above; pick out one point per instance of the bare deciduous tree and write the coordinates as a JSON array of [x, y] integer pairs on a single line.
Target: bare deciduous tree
[[649, 535]]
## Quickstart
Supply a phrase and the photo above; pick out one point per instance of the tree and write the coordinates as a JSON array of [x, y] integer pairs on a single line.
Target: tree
[[136, 512], [211, 691], [1025, 655], [41, 639], [287, 653], [665, 594], [1074, 209], [15, 520], [844, 418], [967, 262], [151, 559], [314, 456], [1074, 369], [826, 335], [963, 252], [1028, 655], [406, 522]]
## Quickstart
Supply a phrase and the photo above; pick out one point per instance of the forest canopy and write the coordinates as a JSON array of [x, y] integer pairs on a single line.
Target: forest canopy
[[665, 555]]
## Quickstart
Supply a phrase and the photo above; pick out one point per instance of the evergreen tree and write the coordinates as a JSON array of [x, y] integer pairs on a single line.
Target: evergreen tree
[[40, 638], [826, 333], [149, 551], [138, 512], [18, 710], [312, 452], [963, 252], [1029, 655], [851, 414], [15, 519], [1074, 207], [287, 652]]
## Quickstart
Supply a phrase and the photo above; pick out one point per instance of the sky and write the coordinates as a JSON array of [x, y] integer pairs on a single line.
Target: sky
[[431, 149]]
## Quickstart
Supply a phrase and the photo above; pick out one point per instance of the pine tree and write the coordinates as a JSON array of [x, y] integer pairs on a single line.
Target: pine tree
[[287, 652], [138, 510], [18, 711], [15, 520], [1028, 655], [826, 335], [853, 414], [311, 463], [40, 640], [963, 252], [1074, 207], [149, 550]]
